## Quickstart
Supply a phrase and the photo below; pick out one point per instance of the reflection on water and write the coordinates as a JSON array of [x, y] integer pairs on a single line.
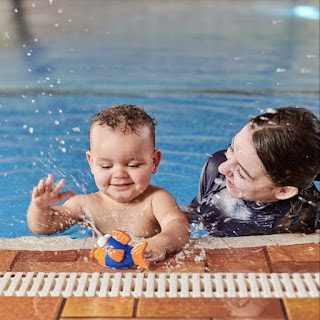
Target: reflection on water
[[202, 68]]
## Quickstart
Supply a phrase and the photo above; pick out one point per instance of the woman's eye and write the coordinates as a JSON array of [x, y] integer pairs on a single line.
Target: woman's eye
[[239, 174]]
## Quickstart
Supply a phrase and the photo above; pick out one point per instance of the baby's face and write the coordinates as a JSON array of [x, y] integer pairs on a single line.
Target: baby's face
[[122, 164]]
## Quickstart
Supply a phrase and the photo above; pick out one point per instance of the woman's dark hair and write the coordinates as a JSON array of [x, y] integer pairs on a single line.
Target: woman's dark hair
[[287, 141]]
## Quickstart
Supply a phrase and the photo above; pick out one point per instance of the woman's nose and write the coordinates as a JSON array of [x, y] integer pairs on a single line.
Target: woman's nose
[[226, 168]]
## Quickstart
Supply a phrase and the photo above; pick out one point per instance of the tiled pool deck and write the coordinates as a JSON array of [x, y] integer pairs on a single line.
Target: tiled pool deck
[[256, 254]]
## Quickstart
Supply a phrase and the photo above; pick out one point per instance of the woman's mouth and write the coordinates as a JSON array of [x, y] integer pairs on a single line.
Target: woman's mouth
[[230, 184]]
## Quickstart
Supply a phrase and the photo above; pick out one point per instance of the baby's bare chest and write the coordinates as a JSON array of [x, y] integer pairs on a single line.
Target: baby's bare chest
[[137, 221]]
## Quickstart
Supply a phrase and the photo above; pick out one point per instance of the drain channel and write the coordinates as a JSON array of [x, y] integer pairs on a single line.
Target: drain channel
[[188, 285]]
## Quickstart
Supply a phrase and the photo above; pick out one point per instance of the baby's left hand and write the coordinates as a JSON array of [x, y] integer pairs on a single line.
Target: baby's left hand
[[155, 251]]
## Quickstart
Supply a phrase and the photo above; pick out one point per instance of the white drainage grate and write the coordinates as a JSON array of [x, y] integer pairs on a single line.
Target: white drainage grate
[[188, 285]]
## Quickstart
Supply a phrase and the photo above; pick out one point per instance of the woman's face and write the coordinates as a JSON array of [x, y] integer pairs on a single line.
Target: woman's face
[[246, 177]]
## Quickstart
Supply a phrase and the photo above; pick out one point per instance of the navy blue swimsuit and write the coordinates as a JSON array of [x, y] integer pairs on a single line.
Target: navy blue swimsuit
[[223, 215]]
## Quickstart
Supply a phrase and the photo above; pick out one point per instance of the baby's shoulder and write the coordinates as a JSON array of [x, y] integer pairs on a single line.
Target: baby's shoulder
[[83, 200], [155, 192]]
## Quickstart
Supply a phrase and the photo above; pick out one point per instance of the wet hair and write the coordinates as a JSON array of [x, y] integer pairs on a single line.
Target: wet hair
[[126, 118], [287, 141]]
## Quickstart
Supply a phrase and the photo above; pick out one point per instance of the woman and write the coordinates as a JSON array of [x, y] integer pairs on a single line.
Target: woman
[[264, 182]]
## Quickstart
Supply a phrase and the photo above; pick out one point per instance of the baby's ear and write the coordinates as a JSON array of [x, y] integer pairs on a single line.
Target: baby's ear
[[156, 158], [287, 192], [89, 159]]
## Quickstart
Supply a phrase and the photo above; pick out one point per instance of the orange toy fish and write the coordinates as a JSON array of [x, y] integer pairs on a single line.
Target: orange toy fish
[[113, 251]]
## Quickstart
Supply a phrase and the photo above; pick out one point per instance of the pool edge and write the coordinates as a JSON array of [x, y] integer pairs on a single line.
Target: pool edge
[[34, 243]]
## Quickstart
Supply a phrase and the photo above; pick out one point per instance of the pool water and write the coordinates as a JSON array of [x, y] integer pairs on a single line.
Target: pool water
[[202, 68]]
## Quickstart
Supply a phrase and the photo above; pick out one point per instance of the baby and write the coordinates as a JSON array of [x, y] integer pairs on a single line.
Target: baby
[[122, 158]]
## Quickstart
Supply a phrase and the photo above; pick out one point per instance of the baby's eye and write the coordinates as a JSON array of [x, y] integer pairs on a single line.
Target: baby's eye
[[135, 165], [106, 167]]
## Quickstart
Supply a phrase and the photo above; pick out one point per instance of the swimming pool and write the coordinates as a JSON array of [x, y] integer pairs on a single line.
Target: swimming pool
[[202, 68]]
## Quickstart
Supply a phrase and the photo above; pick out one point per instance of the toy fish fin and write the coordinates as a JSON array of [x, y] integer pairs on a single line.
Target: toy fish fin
[[121, 236], [116, 254], [137, 254], [98, 254]]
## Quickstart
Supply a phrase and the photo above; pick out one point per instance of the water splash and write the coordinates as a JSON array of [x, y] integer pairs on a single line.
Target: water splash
[[88, 222]]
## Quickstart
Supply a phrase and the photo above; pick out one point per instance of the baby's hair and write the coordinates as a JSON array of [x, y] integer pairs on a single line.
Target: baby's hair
[[126, 118]]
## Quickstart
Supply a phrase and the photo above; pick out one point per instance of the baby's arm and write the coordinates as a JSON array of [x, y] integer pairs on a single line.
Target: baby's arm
[[174, 225], [42, 217]]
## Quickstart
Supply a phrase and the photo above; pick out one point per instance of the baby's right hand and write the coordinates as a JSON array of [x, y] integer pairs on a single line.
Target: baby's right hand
[[46, 194]]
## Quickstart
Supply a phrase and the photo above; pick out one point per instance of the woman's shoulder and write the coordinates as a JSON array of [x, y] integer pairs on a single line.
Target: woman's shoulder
[[214, 160], [217, 157], [210, 168]]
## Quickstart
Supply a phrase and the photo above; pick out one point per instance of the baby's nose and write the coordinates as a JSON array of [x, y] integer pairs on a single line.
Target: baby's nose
[[119, 171]]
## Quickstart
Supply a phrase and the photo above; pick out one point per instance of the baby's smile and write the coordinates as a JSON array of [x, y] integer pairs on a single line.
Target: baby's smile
[[121, 186]]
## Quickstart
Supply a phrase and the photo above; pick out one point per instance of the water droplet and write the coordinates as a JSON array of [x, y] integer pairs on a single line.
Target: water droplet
[[218, 181], [305, 70], [271, 110]]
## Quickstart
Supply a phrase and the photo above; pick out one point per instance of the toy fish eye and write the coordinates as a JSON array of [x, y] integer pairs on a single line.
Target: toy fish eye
[[101, 242]]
